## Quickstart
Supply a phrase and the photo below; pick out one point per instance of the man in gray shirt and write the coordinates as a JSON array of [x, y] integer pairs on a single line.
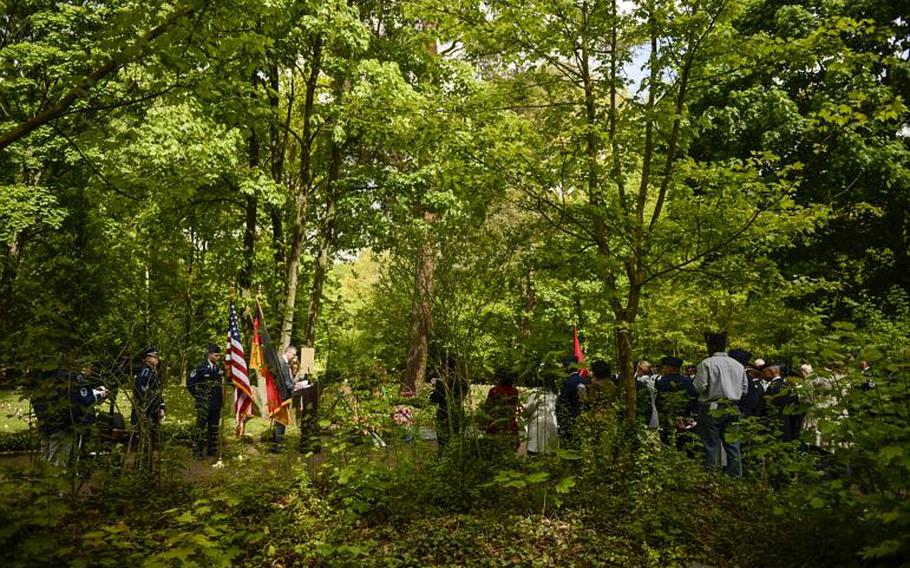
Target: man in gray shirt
[[720, 382]]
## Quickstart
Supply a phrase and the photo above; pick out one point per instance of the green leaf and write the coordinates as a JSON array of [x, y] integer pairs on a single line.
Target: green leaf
[[537, 477], [186, 517], [565, 484]]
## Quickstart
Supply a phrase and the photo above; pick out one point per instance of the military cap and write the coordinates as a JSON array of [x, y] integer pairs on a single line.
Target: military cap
[[150, 351], [212, 348], [671, 362]]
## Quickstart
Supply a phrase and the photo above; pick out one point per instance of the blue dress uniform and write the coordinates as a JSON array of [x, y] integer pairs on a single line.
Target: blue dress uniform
[[63, 403], [568, 409], [676, 396], [675, 399], [783, 409], [205, 385], [148, 401]]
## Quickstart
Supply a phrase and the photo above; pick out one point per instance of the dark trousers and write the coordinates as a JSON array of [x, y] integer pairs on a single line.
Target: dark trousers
[[207, 422], [278, 436], [566, 431], [717, 428]]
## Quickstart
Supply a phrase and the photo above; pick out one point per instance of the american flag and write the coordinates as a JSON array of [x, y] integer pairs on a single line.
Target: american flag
[[235, 362]]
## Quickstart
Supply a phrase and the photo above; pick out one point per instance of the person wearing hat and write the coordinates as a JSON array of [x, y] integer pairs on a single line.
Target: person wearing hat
[[752, 403], [205, 385], [148, 402], [63, 402], [720, 382], [676, 398]]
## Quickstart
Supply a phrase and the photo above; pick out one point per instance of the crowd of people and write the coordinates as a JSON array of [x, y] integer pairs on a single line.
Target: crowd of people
[[65, 407], [698, 408]]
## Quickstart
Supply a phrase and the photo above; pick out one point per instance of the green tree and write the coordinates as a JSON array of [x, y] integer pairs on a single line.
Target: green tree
[[612, 168]]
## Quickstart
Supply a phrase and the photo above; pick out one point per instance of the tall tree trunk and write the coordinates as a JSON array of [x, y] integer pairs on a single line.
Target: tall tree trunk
[[188, 315], [616, 170], [276, 289], [425, 282], [302, 202], [326, 243], [625, 315], [530, 301], [421, 311], [10, 266], [277, 146], [625, 363], [245, 278], [625, 353]]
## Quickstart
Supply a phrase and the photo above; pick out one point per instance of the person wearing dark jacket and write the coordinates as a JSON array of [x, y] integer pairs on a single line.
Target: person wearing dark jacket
[[148, 405], [781, 404], [64, 405], [752, 403], [569, 402], [448, 395], [676, 400], [205, 385], [288, 365]]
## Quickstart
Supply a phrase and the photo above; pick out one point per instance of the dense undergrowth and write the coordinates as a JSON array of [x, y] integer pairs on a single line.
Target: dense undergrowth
[[621, 498], [645, 506]]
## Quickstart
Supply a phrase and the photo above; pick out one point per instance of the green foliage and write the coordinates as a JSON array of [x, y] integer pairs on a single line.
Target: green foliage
[[753, 177], [26, 208]]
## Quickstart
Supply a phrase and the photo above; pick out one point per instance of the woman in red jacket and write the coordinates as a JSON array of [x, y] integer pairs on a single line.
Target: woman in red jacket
[[502, 407]]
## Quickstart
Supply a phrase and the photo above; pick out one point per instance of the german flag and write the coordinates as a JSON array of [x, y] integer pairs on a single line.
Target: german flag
[[274, 369]]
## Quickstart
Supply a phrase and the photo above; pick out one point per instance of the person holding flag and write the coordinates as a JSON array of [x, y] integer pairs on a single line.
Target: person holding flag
[[280, 392], [572, 394], [279, 381]]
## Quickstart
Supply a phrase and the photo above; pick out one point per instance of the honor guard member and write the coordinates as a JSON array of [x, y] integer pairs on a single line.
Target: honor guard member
[[148, 402], [205, 385], [63, 403], [676, 399]]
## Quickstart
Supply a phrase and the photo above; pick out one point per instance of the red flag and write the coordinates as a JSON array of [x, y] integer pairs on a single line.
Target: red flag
[[278, 411], [576, 350], [264, 358]]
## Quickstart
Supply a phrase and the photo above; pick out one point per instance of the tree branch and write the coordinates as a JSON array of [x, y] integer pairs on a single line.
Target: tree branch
[[112, 65]]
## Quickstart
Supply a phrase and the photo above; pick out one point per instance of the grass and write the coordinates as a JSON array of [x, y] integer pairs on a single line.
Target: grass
[[14, 411]]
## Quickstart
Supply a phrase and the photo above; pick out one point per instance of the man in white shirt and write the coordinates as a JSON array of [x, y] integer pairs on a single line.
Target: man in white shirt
[[720, 382]]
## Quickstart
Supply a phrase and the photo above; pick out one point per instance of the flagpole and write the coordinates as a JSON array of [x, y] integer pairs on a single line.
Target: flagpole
[[221, 418], [224, 383]]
